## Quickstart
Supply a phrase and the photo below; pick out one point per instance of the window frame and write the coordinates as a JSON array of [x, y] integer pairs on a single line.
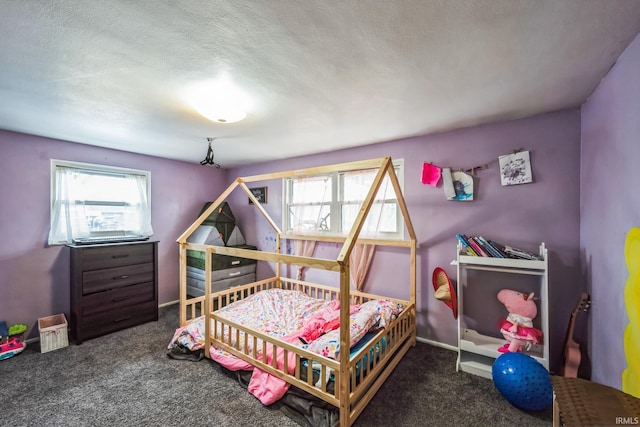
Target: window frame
[[97, 169], [337, 202]]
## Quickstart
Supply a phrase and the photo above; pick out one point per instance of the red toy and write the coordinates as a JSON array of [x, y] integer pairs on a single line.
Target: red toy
[[11, 348]]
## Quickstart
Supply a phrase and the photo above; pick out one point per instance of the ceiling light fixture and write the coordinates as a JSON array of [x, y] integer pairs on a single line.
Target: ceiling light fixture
[[219, 100], [208, 160]]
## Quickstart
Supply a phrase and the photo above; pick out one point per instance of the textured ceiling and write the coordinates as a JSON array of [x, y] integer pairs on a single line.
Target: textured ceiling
[[322, 75]]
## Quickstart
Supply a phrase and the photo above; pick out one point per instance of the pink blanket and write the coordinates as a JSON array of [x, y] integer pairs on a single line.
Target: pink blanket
[[266, 387]]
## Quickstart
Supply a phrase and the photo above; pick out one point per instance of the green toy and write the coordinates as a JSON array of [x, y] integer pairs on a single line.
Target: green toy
[[17, 329]]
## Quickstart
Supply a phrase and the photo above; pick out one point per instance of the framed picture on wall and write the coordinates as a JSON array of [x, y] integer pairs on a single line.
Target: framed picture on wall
[[515, 168], [260, 193]]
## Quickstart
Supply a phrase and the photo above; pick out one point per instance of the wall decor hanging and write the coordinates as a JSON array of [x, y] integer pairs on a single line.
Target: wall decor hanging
[[260, 193], [463, 186], [515, 168], [447, 184], [430, 174]]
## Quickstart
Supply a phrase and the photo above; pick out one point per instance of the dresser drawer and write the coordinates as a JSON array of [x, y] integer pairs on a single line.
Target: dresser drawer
[[111, 278], [97, 258], [118, 318], [116, 298]]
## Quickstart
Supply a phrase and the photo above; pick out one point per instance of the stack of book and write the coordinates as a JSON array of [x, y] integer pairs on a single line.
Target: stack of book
[[479, 246]]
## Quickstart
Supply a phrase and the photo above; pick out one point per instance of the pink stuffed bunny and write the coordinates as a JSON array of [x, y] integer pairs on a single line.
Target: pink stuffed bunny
[[518, 328]]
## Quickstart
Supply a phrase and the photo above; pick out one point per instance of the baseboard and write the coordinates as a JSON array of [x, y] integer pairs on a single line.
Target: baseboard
[[167, 304], [437, 344]]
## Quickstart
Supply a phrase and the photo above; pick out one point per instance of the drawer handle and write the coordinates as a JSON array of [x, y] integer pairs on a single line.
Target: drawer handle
[[120, 299], [124, 276], [237, 273], [235, 262], [120, 256], [121, 319]]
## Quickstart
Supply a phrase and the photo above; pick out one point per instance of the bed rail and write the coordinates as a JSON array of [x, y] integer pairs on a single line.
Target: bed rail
[[193, 307]]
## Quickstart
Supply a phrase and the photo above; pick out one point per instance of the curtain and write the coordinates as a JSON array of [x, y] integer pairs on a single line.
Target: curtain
[[303, 248], [310, 211], [142, 209], [86, 201], [67, 215], [357, 185], [359, 263]]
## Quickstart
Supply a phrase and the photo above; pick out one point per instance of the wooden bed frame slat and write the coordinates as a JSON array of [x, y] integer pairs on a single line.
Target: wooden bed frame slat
[[355, 382]]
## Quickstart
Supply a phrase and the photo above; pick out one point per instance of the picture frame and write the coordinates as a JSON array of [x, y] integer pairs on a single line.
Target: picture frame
[[260, 193]]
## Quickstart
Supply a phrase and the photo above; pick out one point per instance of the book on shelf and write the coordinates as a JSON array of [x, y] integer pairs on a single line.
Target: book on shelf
[[519, 253], [479, 246], [492, 251], [465, 245], [498, 248], [475, 243]]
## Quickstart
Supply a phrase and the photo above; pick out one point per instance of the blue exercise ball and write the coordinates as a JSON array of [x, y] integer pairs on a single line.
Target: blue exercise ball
[[523, 381]]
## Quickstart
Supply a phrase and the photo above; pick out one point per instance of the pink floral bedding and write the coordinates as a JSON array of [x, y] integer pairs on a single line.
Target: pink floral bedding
[[274, 312], [287, 315]]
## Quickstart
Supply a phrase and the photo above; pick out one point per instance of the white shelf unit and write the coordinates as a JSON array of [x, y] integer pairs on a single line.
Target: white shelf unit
[[477, 352]]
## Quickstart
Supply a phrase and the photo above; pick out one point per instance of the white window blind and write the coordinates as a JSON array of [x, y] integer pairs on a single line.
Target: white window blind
[[94, 200]]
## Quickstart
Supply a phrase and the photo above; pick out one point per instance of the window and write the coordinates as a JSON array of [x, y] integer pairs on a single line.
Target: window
[[90, 201], [330, 203]]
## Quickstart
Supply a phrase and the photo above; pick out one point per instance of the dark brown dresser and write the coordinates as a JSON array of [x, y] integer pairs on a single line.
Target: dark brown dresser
[[113, 287]]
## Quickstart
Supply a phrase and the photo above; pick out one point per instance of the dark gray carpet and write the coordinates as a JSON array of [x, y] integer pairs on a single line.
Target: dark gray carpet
[[125, 378]]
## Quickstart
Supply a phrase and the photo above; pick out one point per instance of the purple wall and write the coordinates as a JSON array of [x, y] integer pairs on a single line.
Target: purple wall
[[523, 215], [34, 278], [610, 207]]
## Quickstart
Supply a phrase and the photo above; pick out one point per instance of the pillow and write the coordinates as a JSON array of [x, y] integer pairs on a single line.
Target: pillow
[[206, 235], [384, 311], [328, 345], [236, 238]]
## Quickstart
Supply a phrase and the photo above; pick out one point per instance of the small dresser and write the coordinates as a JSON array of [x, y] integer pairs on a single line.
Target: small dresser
[[113, 287]]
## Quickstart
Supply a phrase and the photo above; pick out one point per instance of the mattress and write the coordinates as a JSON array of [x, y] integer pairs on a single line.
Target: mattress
[[219, 262], [220, 280]]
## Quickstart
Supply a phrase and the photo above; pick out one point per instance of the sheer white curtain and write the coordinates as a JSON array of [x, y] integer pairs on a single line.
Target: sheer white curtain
[[67, 214], [310, 211], [86, 201], [356, 187], [141, 206]]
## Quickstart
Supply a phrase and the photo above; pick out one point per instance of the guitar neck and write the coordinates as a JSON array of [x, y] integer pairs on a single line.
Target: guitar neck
[[572, 352]]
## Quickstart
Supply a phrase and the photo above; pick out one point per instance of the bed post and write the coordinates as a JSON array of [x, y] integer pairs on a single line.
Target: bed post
[[183, 284], [207, 302], [345, 333], [412, 281], [412, 237], [278, 267]]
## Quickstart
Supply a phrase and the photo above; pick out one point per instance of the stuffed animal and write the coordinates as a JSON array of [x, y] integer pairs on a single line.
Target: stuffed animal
[[518, 328]]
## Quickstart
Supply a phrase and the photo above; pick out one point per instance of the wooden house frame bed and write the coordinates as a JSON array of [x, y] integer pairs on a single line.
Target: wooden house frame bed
[[353, 387]]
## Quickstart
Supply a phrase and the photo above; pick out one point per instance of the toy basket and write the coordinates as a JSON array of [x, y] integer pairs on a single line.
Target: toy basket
[[53, 333]]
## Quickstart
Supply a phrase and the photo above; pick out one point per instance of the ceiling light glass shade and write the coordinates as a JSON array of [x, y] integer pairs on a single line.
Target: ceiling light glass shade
[[219, 100], [221, 113]]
